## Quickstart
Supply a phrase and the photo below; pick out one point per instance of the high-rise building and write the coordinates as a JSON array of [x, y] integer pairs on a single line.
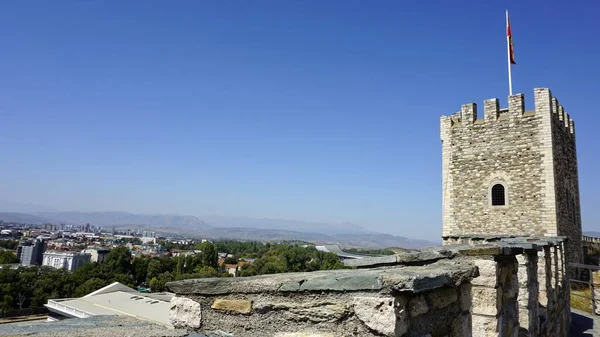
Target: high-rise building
[[32, 252]]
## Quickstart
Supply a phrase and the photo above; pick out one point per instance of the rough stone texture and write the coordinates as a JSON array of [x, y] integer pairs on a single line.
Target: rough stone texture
[[239, 306], [418, 306], [442, 298], [508, 285], [466, 296], [379, 314], [318, 311], [484, 326], [596, 280], [557, 292], [487, 273], [185, 313], [528, 293], [533, 154]]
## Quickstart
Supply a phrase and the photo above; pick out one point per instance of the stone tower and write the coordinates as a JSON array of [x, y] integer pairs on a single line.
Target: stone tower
[[514, 172]]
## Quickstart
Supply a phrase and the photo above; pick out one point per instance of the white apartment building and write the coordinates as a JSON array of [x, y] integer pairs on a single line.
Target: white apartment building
[[65, 260]]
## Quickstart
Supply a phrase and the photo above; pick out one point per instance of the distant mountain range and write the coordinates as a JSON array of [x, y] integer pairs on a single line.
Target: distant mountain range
[[279, 224], [227, 227], [592, 234]]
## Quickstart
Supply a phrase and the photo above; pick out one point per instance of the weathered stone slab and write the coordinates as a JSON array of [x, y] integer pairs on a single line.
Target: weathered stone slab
[[239, 306], [319, 311], [185, 313], [487, 250], [381, 314], [426, 256], [371, 261], [384, 280], [345, 283]]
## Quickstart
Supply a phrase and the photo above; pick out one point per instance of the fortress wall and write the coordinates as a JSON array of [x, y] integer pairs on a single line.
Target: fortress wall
[[486, 287]]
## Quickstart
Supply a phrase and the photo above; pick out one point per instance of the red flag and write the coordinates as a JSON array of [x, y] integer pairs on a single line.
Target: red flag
[[510, 42]]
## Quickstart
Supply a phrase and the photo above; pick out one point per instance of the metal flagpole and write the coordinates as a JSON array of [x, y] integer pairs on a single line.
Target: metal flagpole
[[508, 54]]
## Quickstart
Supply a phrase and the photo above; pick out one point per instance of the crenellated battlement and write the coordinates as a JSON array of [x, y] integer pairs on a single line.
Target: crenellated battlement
[[514, 114]]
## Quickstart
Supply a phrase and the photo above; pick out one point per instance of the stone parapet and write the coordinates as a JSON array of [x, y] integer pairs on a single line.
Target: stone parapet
[[485, 286], [528, 277], [390, 301]]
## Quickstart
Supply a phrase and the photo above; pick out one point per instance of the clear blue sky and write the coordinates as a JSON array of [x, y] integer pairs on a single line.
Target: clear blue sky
[[312, 110]]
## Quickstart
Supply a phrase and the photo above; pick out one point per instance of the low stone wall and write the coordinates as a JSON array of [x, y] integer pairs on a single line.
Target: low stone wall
[[396, 301], [482, 287], [528, 278], [596, 280]]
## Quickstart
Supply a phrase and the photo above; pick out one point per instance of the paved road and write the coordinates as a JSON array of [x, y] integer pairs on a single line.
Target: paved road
[[584, 324]]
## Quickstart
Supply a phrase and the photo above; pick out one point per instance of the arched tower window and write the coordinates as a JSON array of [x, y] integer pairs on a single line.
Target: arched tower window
[[498, 195]]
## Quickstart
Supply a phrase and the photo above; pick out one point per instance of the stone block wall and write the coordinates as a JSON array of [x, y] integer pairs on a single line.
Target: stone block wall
[[433, 300], [596, 280], [496, 310], [568, 209], [529, 290], [505, 287], [528, 277]]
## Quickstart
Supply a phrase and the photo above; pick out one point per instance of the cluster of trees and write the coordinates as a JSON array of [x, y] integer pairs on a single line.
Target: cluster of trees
[[285, 258], [31, 287], [9, 244], [8, 257], [6, 254]]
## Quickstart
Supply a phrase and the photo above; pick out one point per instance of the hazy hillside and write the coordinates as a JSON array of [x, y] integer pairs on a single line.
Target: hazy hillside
[[24, 218], [354, 240], [281, 224], [383, 240]]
